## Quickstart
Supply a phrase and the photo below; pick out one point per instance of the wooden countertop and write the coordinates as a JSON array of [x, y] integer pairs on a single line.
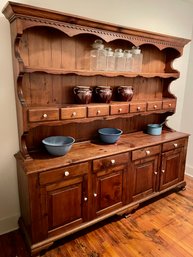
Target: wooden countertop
[[89, 150]]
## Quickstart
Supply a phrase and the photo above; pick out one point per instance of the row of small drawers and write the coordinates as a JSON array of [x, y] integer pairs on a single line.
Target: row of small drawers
[[107, 162], [97, 110]]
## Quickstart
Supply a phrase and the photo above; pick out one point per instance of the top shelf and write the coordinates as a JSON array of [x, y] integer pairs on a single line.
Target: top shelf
[[88, 73]]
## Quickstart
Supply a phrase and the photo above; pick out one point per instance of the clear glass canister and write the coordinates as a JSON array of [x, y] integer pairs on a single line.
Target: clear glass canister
[[110, 59], [128, 60], [98, 56], [137, 59], [119, 60]]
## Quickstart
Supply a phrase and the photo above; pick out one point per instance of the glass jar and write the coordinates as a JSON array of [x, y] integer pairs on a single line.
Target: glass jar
[[119, 60], [110, 59], [137, 59], [128, 60], [98, 56]]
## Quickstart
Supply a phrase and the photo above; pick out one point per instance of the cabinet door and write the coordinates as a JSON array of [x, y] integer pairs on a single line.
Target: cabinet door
[[66, 203], [144, 177], [172, 170], [109, 189]]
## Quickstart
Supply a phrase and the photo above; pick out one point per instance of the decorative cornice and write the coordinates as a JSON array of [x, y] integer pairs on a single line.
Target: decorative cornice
[[74, 29]]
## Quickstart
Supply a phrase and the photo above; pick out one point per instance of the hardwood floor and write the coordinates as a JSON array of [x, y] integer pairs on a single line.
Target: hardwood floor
[[162, 228]]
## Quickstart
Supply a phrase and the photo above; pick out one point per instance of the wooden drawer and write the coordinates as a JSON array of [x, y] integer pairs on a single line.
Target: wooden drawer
[[73, 112], [43, 114], [137, 107], [173, 144], [169, 104], [145, 152], [110, 161], [154, 105], [119, 108], [98, 110], [63, 173]]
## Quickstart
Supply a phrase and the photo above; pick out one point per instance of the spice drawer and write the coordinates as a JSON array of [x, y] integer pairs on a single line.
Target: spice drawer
[[110, 161], [145, 152], [98, 110], [173, 144], [73, 112], [169, 104], [63, 173], [119, 108], [154, 105], [137, 107], [43, 114]]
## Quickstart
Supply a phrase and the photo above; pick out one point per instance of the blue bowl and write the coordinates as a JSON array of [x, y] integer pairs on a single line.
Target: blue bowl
[[154, 129], [58, 145], [109, 135]]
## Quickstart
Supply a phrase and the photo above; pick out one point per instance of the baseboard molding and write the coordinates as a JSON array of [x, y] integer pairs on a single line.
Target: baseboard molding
[[9, 224], [189, 170]]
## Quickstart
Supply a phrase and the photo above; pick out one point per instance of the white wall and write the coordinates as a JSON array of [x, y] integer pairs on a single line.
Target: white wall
[[187, 115], [172, 17]]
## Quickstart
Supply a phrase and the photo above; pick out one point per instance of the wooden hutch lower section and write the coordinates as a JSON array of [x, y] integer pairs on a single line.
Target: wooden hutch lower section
[[61, 195]]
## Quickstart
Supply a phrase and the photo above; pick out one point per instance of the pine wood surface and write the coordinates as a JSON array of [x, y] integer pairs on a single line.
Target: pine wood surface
[[161, 228]]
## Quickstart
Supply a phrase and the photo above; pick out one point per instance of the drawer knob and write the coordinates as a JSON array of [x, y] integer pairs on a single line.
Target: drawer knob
[[155, 106], [163, 171], [120, 109], [73, 114], [66, 173], [169, 105], [138, 108], [148, 152], [95, 194], [155, 172], [98, 112], [112, 161], [44, 115], [175, 145], [85, 199]]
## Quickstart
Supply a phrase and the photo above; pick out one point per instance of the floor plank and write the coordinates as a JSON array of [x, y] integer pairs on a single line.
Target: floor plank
[[161, 228]]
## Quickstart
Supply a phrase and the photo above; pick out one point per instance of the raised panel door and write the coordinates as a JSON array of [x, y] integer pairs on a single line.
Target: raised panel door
[[110, 190], [144, 175], [172, 169], [66, 203]]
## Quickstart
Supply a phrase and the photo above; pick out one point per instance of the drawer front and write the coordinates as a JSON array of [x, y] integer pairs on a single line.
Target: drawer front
[[110, 161], [169, 104], [174, 144], [43, 114], [73, 113], [63, 173], [137, 107], [98, 110], [145, 152], [154, 105], [119, 108]]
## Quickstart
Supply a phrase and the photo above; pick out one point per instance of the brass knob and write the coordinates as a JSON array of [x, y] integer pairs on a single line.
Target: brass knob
[[155, 172], [169, 105], [44, 115], [112, 161], [175, 145], [98, 112], [138, 108], [163, 171], [66, 173], [85, 199], [95, 194], [155, 106], [148, 152], [73, 114], [120, 110]]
